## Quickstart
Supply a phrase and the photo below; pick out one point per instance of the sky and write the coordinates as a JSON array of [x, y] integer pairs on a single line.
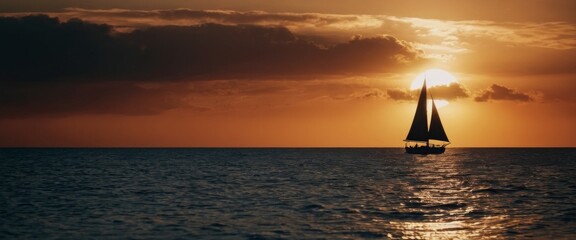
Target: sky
[[256, 73]]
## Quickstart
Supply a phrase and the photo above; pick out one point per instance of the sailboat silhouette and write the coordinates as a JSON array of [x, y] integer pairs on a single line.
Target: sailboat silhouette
[[419, 131]]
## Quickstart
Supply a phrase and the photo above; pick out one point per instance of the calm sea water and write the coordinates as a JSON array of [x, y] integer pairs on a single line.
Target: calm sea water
[[287, 194]]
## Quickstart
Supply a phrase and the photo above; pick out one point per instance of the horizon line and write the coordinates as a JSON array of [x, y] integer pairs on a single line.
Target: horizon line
[[262, 147]]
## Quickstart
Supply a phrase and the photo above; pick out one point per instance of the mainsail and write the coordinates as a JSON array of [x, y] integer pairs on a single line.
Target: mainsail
[[419, 130]]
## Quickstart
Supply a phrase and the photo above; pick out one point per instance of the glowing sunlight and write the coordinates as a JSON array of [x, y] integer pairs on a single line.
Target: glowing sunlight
[[434, 77]]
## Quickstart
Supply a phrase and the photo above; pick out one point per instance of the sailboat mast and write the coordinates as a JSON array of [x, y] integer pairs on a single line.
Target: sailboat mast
[[432, 100], [428, 138]]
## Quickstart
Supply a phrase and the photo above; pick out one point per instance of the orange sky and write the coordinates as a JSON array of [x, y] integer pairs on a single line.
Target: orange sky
[[286, 73]]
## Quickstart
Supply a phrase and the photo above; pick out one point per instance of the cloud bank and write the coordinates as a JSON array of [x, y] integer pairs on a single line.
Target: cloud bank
[[449, 35], [39, 48], [498, 92], [63, 67], [452, 91]]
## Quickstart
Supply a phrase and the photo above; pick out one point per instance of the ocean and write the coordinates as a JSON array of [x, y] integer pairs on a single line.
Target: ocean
[[315, 193]]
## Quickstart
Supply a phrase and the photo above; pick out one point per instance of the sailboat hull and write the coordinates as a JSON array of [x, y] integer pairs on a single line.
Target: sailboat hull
[[425, 150]]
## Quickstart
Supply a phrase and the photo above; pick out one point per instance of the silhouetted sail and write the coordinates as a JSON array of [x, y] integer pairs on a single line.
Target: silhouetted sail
[[419, 128], [419, 131], [436, 129]]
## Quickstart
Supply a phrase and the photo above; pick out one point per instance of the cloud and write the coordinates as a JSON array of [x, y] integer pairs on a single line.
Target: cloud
[[41, 48], [554, 35], [498, 92], [63, 99], [367, 94], [441, 39], [452, 91], [186, 17], [550, 35], [55, 67], [400, 95]]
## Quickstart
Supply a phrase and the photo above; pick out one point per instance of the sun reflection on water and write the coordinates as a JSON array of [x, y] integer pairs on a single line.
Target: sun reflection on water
[[433, 230], [439, 191]]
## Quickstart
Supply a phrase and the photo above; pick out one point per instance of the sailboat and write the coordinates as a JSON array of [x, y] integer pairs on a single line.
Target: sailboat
[[419, 131]]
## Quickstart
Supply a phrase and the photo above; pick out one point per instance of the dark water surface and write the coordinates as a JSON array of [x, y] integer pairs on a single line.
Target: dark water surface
[[287, 194]]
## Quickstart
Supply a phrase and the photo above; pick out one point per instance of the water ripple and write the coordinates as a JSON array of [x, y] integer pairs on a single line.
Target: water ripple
[[286, 194]]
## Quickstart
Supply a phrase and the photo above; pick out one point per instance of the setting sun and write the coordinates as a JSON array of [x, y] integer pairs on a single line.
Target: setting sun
[[434, 77]]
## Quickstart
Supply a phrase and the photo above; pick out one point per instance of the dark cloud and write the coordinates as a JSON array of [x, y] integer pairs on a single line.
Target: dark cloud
[[53, 67], [498, 92], [38, 48], [36, 99], [225, 17], [182, 16], [42, 48], [452, 91]]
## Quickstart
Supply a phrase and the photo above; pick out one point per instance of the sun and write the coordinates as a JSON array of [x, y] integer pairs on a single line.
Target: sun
[[434, 77]]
